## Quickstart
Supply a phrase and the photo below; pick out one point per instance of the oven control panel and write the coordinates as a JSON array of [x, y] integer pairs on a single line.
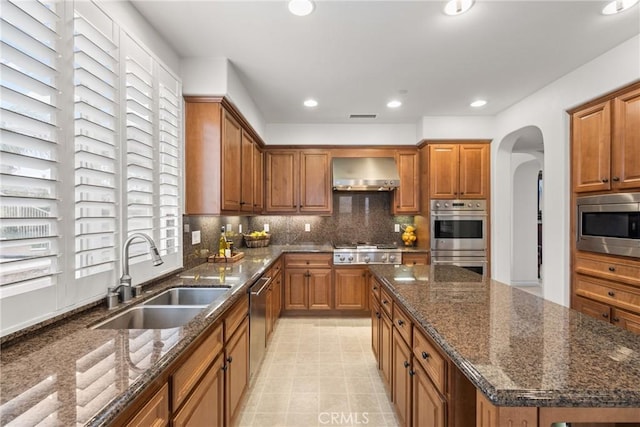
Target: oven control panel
[[458, 205]]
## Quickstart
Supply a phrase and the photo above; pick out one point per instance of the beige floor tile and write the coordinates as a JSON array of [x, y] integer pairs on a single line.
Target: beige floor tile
[[305, 385], [305, 357], [334, 369], [332, 385], [278, 419], [364, 403], [384, 402], [363, 385], [377, 420], [302, 419], [273, 403], [246, 419], [305, 370], [280, 370], [278, 385], [355, 368], [304, 402], [333, 403]]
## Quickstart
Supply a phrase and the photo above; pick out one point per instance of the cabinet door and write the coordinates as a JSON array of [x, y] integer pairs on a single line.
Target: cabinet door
[[277, 296], [626, 320], [474, 171], [315, 182], [247, 171], [351, 288], [407, 196], [258, 180], [319, 283], [400, 379], [626, 141], [295, 289], [415, 259], [428, 405], [591, 148], [281, 181], [385, 351], [376, 316], [231, 165], [237, 371], [206, 405], [155, 413], [592, 308], [443, 171], [269, 313]]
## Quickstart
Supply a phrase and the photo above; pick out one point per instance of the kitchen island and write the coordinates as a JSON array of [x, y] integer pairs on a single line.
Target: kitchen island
[[531, 361]]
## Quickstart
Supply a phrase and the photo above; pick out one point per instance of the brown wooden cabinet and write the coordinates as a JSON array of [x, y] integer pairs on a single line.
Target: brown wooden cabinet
[[606, 152], [386, 342], [308, 282], [205, 405], [429, 407], [155, 412], [459, 171], [236, 371], [407, 196], [401, 379], [351, 288], [220, 162], [258, 179], [298, 181], [418, 258]]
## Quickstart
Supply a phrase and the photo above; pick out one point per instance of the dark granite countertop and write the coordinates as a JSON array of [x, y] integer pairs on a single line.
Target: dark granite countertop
[[519, 349], [70, 374]]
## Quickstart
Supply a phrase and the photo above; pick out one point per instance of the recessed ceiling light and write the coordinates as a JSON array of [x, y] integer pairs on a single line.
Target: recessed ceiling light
[[301, 7], [478, 103], [394, 103], [457, 7], [618, 6], [310, 103]]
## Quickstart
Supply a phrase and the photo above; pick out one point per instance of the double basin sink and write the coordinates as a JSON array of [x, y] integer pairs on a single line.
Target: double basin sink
[[169, 309]]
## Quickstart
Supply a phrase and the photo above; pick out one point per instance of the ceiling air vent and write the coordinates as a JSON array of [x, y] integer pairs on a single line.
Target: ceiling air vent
[[363, 116]]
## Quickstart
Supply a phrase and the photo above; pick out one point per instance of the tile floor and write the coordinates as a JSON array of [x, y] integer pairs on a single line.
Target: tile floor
[[318, 372]]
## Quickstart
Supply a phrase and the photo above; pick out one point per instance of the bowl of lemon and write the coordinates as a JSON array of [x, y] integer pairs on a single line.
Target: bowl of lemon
[[257, 239], [409, 235]]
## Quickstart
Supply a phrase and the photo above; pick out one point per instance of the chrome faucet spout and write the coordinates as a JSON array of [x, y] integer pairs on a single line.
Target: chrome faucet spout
[[124, 287]]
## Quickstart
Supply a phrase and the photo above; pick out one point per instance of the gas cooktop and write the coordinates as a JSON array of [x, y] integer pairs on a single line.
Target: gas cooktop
[[366, 253], [364, 246]]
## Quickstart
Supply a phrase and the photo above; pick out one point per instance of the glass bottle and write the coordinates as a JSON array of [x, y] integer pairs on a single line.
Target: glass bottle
[[222, 243]]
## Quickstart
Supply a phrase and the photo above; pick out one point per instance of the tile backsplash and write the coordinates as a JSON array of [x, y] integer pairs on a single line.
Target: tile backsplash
[[357, 217]]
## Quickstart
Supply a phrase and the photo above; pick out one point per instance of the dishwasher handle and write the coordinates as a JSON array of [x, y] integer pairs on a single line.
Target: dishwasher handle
[[262, 283]]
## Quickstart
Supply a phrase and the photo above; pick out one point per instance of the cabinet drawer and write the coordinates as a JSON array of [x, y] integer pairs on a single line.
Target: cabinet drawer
[[430, 359], [275, 268], [386, 302], [415, 259], [375, 288], [595, 309], [155, 413], [626, 320], [402, 323], [308, 260], [608, 292], [608, 268], [195, 366], [234, 317]]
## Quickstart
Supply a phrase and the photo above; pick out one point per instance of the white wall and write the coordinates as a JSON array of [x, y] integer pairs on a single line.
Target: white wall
[[136, 26], [240, 97], [524, 228], [546, 110], [462, 127], [341, 134]]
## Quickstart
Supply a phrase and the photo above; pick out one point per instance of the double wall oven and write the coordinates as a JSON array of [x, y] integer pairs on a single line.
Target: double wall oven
[[459, 234]]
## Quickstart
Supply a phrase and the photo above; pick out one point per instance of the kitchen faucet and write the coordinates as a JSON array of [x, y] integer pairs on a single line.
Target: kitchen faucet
[[124, 289]]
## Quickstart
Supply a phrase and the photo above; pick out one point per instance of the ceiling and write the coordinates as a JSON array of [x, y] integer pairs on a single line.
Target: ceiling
[[354, 56]]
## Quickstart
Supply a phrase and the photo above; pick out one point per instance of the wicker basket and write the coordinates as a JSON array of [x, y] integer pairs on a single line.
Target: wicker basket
[[256, 241]]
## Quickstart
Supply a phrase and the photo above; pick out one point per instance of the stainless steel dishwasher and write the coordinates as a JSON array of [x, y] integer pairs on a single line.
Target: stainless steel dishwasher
[[257, 323]]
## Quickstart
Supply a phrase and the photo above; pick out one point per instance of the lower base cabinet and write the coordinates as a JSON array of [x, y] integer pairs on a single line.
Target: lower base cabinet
[[351, 288], [429, 407], [156, 411], [205, 406], [385, 351], [401, 379], [236, 370]]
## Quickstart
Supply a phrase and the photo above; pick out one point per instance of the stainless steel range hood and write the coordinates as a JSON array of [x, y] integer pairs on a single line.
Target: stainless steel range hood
[[365, 174]]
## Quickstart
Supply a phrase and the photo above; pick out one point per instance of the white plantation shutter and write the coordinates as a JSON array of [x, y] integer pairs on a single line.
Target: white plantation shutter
[[30, 151], [96, 156], [140, 123], [170, 125]]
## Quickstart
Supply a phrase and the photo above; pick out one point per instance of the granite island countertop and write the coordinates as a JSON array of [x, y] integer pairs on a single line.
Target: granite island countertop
[[70, 374], [517, 348]]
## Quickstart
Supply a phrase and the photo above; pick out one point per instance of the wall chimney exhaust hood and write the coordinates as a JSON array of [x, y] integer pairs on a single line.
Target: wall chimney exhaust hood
[[365, 174]]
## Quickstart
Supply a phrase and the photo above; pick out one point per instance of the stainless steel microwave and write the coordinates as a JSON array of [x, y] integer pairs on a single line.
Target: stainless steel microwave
[[609, 224]]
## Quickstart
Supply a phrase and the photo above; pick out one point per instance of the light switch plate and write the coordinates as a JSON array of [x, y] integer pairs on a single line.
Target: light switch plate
[[229, 227], [266, 227], [307, 227], [195, 237], [186, 228], [396, 228]]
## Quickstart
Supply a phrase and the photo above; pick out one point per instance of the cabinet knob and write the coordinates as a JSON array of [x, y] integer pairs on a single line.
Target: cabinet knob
[[615, 319], [611, 294], [425, 355], [612, 268], [400, 322], [406, 364], [462, 193], [229, 359], [384, 301], [411, 372], [605, 315], [375, 288], [605, 180], [616, 178], [378, 314], [224, 367]]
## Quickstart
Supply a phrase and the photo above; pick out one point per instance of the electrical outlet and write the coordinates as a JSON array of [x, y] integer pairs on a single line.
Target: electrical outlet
[[195, 237], [266, 228], [239, 228], [307, 227], [229, 228], [396, 228]]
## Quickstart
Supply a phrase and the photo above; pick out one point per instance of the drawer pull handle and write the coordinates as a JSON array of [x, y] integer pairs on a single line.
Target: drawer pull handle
[[425, 355], [406, 364], [400, 322], [611, 294], [605, 315], [612, 268]]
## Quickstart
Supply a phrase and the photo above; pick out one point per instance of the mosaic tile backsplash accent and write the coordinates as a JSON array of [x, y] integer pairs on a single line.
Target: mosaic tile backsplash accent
[[357, 217]]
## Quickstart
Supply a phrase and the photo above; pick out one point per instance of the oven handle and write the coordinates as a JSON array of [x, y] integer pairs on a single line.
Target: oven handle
[[459, 214], [465, 263]]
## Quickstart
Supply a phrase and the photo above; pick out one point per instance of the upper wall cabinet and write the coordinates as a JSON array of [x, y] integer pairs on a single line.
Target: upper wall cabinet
[[407, 196], [298, 181], [459, 171], [606, 144], [221, 161]]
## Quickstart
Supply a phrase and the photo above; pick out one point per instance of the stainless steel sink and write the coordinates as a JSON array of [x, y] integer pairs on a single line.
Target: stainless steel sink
[[151, 317], [187, 296]]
